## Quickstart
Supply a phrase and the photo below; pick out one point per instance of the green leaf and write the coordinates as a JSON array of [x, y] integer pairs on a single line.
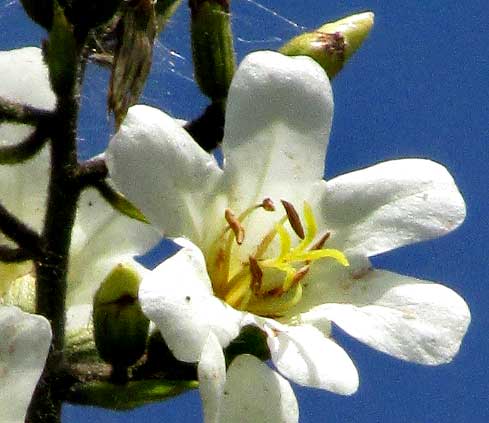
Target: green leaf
[[129, 396]]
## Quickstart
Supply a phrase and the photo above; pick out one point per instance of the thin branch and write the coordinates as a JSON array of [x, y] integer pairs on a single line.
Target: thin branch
[[24, 150], [11, 111], [208, 129], [25, 237], [13, 255], [91, 172]]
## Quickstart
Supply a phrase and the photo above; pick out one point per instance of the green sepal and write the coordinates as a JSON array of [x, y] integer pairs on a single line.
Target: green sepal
[[332, 44], [120, 203], [120, 327], [60, 53], [212, 47], [129, 396]]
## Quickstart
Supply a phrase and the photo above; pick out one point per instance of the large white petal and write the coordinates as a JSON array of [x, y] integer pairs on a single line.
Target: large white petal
[[303, 354], [255, 393], [177, 297], [163, 171], [24, 345], [212, 377], [25, 79], [102, 238], [23, 191], [278, 119], [408, 318], [391, 204]]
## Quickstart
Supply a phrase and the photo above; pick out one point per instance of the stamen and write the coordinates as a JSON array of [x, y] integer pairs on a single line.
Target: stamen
[[256, 275], [268, 205], [235, 226], [294, 220], [301, 273], [321, 241]]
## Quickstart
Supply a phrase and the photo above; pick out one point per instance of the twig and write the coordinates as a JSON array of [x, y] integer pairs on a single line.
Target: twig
[[25, 237], [11, 111], [24, 150], [91, 172], [14, 255]]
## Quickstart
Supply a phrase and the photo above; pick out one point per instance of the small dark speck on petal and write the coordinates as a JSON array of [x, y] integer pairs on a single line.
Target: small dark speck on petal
[[187, 298]]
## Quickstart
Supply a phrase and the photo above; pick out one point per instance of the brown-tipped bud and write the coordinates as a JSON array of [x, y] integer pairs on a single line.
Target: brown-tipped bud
[[332, 44], [120, 327], [136, 32], [212, 47]]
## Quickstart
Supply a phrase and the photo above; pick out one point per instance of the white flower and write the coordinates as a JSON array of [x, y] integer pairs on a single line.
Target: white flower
[[292, 268], [25, 340], [102, 237]]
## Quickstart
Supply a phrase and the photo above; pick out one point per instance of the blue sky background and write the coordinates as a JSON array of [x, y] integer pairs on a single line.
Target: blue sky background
[[418, 88]]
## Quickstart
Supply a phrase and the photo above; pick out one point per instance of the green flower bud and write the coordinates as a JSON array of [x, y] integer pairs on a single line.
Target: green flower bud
[[332, 44], [60, 52], [212, 47], [120, 327]]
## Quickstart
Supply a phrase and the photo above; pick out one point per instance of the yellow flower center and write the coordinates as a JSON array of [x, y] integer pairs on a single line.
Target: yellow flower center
[[267, 283]]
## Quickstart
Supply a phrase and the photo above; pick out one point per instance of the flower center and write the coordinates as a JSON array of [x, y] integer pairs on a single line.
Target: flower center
[[268, 282]]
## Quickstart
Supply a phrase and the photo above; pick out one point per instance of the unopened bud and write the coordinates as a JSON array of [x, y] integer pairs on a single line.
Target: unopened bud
[[120, 327], [136, 32], [60, 53], [332, 44], [212, 47]]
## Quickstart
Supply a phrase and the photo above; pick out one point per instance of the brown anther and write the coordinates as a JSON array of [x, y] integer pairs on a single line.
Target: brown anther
[[300, 274], [321, 241], [267, 204], [275, 292], [235, 226], [294, 220], [256, 275]]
